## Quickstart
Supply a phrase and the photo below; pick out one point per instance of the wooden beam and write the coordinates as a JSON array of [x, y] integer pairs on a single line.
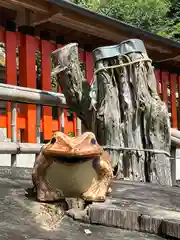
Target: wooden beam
[[41, 18], [40, 5], [8, 5], [103, 31]]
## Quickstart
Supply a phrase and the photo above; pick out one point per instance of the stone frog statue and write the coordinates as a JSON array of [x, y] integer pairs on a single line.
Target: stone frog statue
[[72, 167]]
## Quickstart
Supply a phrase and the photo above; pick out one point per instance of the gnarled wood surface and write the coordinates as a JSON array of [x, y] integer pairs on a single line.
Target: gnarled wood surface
[[129, 112]]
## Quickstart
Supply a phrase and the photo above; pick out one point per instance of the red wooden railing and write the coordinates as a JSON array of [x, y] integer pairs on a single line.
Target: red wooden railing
[[169, 90], [26, 120]]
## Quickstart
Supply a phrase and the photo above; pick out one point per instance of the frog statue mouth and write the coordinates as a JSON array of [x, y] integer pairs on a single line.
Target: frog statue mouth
[[63, 148]]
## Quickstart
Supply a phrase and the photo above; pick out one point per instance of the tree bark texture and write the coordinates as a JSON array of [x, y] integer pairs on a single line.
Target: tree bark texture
[[129, 113]]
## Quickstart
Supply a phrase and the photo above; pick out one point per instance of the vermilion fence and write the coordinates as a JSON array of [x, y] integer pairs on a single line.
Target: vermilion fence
[[25, 74], [168, 86], [26, 120]]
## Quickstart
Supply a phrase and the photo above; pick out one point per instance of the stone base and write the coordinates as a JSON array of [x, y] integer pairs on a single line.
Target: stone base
[[132, 206], [141, 207], [25, 218]]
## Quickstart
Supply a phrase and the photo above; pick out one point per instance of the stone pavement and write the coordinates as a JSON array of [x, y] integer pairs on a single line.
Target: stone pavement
[[142, 207], [20, 218]]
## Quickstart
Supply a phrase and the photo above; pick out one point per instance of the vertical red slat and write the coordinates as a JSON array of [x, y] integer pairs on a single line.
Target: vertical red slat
[[3, 118], [89, 66], [158, 79], [46, 50], [27, 77], [173, 81], [178, 82], [59, 90], [11, 78], [164, 80], [74, 123]]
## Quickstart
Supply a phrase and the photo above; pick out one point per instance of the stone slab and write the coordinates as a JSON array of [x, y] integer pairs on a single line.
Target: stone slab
[[20, 218], [142, 207]]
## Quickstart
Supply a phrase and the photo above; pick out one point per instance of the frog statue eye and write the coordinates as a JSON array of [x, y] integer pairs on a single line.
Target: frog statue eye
[[93, 141], [53, 140]]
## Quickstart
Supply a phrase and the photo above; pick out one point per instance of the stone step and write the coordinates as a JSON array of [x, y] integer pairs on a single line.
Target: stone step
[[142, 207]]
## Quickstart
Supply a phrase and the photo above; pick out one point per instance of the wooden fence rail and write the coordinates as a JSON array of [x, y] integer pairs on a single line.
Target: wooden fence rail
[[19, 148], [30, 95], [17, 94], [168, 86]]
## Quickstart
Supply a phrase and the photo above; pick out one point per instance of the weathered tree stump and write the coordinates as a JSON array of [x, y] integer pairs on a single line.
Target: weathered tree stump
[[128, 112]]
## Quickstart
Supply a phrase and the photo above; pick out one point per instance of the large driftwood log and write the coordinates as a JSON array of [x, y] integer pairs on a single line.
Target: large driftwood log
[[129, 112]]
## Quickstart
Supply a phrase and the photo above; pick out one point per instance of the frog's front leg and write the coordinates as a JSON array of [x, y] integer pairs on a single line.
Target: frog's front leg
[[100, 187], [44, 191], [78, 210]]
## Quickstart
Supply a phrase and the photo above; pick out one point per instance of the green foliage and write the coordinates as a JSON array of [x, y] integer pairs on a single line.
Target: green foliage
[[71, 134], [172, 29], [158, 16], [146, 14]]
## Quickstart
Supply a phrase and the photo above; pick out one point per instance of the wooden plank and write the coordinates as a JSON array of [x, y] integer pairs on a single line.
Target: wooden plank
[[173, 82], [46, 50], [41, 7], [11, 73], [164, 80], [27, 78]]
